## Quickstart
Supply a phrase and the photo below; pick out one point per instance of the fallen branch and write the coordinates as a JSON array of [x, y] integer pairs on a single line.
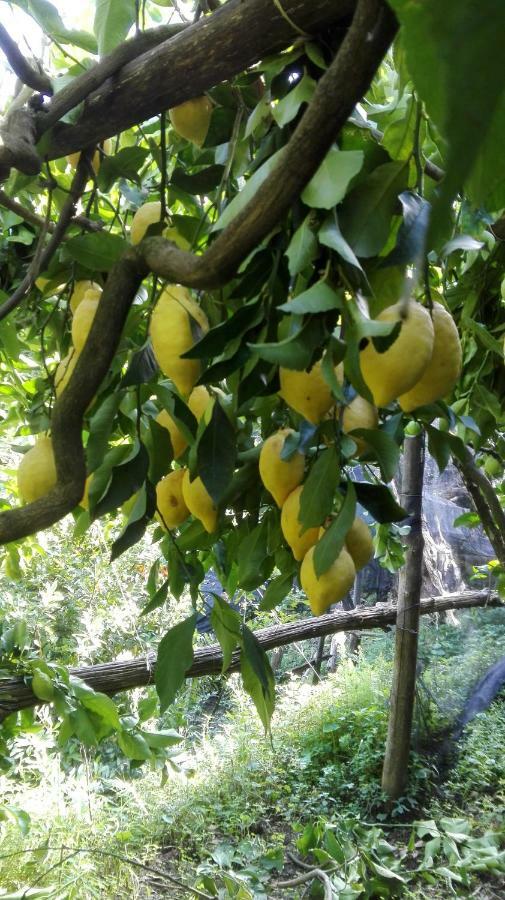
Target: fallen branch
[[340, 88], [109, 678]]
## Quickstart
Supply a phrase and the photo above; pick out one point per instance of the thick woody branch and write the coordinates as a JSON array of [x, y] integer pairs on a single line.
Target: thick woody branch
[[341, 87], [214, 49], [486, 503], [122, 676], [26, 73]]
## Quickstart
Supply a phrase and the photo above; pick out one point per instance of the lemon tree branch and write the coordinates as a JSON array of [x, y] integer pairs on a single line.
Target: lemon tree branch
[[26, 73]]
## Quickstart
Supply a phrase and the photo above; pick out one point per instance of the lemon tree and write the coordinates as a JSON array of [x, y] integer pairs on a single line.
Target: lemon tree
[[243, 259]]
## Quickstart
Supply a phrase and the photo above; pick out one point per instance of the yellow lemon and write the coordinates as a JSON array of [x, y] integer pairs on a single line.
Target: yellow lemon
[[37, 471], [192, 119], [171, 234], [64, 371], [83, 320], [359, 543], [73, 158], [145, 216], [291, 526], [177, 323], [307, 392], [199, 401], [199, 502], [444, 367], [333, 584], [170, 503], [392, 373], [80, 289], [280, 476], [359, 414], [85, 497]]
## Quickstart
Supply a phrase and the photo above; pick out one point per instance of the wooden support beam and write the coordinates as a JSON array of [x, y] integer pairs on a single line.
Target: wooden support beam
[[112, 677]]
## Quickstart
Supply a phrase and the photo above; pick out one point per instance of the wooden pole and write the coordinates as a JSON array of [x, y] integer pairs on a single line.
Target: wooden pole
[[16, 693], [396, 758]]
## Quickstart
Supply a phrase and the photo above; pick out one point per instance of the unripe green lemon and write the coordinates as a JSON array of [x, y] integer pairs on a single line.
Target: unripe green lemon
[[280, 476], [177, 323], [399, 368], [37, 471]]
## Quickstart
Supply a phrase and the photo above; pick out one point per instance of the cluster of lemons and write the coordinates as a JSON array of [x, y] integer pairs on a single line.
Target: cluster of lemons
[[419, 367]]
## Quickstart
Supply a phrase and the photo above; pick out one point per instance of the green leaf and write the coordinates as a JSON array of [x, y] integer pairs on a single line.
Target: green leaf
[[126, 479], [133, 745], [294, 352], [113, 20], [138, 520], [399, 133], [226, 624], [385, 449], [160, 451], [182, 414], [251, 555], [463, 42], [100, 427], [330, 236], [141, 368], [411, 239], [97, 252], [318, 298], [276, 591], [365, 219], [158, 740], [287, 108], [438, 446], [102, 706], [157, 600], [217, 339], [175, 656], [379, 502], [201, 182], [330, 544], [329, 185], [302, 249], [47, 16], [126, 163], [248, 191], [486, 185], [83, 727], [216, 453], [257, 676], [316, 499]]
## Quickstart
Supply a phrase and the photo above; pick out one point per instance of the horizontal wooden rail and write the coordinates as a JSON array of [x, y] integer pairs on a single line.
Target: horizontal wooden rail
[[112, 677]]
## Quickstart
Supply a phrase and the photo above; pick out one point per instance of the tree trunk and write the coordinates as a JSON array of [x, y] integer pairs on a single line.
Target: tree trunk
[[112, 677], [318, 661], [396, 759], [486, 503]]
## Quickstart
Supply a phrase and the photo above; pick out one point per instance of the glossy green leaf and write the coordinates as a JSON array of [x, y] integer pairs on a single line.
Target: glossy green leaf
[[330, 236], [257, 676], [133, 745], [276, 591], [295, 352], [248, 191], [226, 624], [384, 448], [330, 544], [251, 555], [287, 108], [113, 20], [97, 252], [318, 298], [379, 502], [365, 218], [329, 185], [303, 248], [316, 499], [216, 453], [175, 656]]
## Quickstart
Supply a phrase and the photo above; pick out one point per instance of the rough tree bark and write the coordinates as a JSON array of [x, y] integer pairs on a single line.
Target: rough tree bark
[[394, 773], [16, 694], [486, 503]]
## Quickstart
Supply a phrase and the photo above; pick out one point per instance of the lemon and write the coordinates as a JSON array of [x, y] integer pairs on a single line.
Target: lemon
[[359, 543], [64, 371], [73, 158], [83, 320], [444, 367], [307, 392], [191, 120], [280, 476], [80, 289], [332, 585], [171, 234], [291, 526], [145, 216], [392, 373], [199, 401], [37, 471], [359, 414], [85, 497], [170, 503], [176, 323], [199, 502]]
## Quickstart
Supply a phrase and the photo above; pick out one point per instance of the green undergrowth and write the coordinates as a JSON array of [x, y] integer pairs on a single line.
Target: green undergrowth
[[239, 801]]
